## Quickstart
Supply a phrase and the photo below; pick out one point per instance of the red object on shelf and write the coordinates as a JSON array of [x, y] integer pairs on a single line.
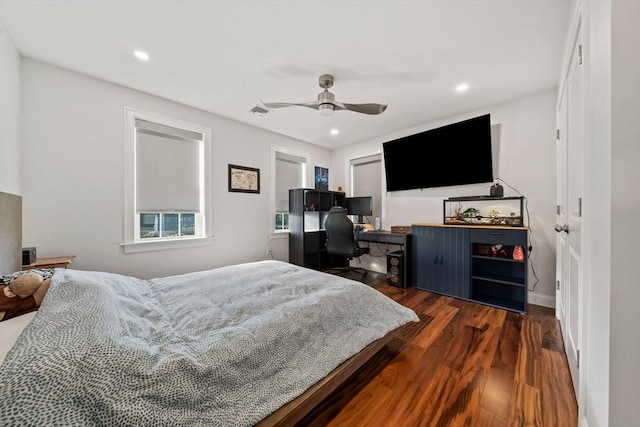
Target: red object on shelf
[[499, 251], [518, 253]]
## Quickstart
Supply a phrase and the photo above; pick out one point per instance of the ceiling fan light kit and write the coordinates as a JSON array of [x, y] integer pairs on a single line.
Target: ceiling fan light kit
[[325, 109], [326, 103]]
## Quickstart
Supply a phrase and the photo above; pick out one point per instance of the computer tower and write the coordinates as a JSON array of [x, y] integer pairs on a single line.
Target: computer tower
[[28, 256], [395, 269]]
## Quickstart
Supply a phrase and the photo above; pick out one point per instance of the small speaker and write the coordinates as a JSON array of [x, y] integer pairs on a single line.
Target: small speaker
[[395, 268], [28, 256], [496, 190]]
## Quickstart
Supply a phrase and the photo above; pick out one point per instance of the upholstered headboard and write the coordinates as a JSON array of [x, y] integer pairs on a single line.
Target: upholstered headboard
[[10, 233]]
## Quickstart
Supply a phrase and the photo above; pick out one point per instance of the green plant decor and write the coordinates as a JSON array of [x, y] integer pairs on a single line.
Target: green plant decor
[[470, 213]]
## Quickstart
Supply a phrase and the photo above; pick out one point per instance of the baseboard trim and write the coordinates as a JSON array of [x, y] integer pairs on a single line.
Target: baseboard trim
[[542, 300]]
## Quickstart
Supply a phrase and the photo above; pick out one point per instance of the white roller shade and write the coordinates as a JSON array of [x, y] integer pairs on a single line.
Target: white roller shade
[[367, 180], [288, 175], [167, 168], [367, 159]]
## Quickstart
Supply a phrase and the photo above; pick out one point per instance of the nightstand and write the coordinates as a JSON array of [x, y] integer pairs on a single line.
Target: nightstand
[[51, 262]]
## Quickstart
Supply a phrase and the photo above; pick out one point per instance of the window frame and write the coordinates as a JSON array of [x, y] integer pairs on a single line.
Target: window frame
[[352, 162], [132, 242], [305, 180]]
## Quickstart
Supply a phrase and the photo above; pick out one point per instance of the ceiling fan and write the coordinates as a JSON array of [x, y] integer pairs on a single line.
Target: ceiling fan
[[327, 104]]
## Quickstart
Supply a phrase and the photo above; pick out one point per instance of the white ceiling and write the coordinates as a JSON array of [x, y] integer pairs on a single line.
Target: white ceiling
[[224, 56]]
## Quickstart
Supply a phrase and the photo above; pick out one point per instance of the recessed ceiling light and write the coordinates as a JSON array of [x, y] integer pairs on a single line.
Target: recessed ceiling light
[[142, 56], [462, 87], [334, 131]]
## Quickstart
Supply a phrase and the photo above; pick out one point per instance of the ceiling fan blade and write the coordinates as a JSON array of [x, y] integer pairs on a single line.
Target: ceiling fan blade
[[327, 104], [371, 109], [312, 104]]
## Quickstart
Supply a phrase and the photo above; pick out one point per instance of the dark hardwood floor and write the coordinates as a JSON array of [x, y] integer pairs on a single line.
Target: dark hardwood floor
[[463, 364]]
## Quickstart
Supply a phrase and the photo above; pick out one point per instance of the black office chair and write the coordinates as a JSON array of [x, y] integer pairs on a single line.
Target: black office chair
[[342, 240]]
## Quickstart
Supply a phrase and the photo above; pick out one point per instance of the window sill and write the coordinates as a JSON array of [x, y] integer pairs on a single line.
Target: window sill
[[279, 234], [159, 245]]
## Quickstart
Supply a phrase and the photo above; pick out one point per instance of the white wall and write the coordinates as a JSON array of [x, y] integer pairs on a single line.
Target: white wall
[[625, 203], [72, 176], [524, 133], [593, 396], [9, 110], [611, 372]]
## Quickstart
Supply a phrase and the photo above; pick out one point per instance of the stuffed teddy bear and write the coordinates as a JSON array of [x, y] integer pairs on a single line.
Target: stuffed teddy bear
[[22, 295]]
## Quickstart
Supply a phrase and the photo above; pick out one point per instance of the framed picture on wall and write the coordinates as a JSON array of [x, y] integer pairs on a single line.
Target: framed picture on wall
[[322, 178], [243, 179]]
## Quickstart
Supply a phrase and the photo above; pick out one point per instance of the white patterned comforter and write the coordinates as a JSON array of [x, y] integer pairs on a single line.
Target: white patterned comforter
[[222, 347]]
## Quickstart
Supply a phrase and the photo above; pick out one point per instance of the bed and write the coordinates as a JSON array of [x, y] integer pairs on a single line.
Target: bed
[[250, 344]]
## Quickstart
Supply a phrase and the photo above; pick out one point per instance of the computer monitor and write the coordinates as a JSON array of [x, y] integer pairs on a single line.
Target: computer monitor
[[359, 206]]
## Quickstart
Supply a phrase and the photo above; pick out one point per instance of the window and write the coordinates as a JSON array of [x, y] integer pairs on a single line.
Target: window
[[366, 180], [290, 170], [282, 221], [167, 179], [153, 225]]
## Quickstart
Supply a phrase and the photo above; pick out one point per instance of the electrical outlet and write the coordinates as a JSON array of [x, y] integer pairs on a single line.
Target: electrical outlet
[[253, 252]]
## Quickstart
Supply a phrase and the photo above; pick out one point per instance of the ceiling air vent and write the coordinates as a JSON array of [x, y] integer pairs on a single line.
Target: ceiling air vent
[[259, 110]]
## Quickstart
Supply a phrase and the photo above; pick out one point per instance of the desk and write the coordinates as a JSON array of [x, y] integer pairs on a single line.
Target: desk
[[52, 262], [388, 237]]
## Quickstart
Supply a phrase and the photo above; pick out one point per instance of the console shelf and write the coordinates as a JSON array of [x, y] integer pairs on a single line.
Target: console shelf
[[497, 259], [473, 263], [500, 302], [507, 280]]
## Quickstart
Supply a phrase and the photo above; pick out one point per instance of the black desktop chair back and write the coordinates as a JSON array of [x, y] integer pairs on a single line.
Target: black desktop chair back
[[342, 241]]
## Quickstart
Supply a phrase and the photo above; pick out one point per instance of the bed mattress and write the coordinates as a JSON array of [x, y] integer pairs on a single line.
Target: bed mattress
[[221, 347]]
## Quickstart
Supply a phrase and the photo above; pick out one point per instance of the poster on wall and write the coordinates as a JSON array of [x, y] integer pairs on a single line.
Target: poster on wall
[[243, 179], [322, 178]]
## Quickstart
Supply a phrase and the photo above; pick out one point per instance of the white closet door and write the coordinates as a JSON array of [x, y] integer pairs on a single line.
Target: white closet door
[[570, 167]]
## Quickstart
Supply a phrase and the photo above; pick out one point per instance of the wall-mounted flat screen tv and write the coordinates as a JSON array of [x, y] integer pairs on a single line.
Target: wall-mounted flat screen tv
[[456, 154]]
